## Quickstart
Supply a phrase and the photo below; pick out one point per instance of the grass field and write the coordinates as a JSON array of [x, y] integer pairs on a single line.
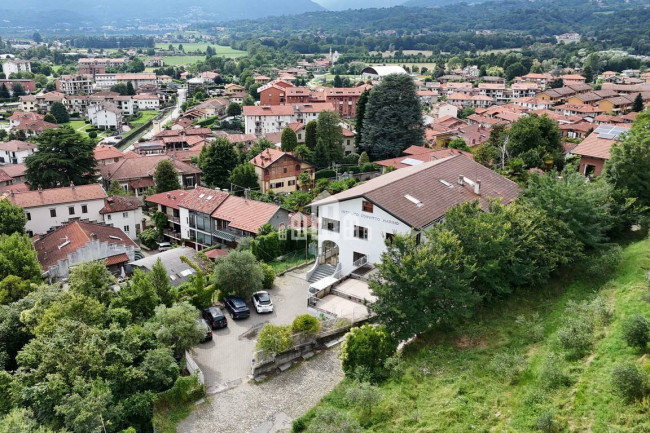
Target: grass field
[[83, 128], [451, 380], [147, 115], [181, 60], [192, 47]]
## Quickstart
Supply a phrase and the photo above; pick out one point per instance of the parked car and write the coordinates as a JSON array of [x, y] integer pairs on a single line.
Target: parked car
[[237, 307], [203, 325], [164, 246], [262, 302], [214, 317]]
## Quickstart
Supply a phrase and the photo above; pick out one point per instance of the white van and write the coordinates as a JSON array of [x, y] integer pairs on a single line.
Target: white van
[[164, 246]]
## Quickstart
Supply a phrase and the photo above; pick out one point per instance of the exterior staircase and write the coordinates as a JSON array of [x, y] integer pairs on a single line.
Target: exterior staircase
[[321, 272]]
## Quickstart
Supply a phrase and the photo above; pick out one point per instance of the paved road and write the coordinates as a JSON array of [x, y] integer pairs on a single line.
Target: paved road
[[271, 406], [227, 358]]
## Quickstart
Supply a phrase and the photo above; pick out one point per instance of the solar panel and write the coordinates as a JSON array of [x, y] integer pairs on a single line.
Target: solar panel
[[609, 132], [411, 161]]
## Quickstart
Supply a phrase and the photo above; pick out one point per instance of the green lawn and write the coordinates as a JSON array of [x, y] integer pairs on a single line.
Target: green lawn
[[220, 49], [147, 115], [290, 260], [83, 128], [447, 385]]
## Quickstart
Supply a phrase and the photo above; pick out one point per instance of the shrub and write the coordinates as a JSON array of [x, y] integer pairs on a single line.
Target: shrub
[[306, 324], [92, 134], [546, 423], [368, 167], [604, 263], [329, 420], [532, 327], [576, 337], [552, 373], [274, 338], [636, 331], [367, 347], [363, 395], [324, 174], [507, 366], [186, 389], [629, 382], [149, 237], [269, 276]]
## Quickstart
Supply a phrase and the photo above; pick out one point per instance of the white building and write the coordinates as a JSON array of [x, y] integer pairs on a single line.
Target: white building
[[380, 72], [106, 81], [147, 101], [15, 66], [123, 212], [354, 225], [105, 116], [48, 208], [269, 119], [15, 151]]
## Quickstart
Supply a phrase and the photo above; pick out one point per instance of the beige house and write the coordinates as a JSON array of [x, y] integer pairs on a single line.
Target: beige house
[[279, 171]]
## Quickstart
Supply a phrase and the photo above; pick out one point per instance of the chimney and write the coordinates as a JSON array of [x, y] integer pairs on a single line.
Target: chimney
[[11, 191], [477, 187], [246, 193], [93, 236], [168, 195], [460, 180]]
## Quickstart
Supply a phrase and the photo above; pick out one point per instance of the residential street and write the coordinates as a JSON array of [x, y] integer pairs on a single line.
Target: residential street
[[271, 406]]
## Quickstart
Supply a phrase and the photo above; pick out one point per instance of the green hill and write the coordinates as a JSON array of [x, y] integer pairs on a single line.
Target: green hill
[[505, 371]]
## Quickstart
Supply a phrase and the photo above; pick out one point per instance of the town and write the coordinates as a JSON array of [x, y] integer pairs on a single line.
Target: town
[[225, 224]]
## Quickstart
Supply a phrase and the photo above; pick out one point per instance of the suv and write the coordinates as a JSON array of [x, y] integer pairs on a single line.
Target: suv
[[205, 328], [215, 317], [262, 302], [237, 308]]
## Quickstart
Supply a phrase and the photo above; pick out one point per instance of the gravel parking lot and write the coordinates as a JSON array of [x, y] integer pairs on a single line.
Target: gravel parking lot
[[226, 360], [271, 406]]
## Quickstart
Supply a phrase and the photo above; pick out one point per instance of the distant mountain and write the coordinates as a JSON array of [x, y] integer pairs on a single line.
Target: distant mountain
[[340, 5], [438, 3], [34, 13]]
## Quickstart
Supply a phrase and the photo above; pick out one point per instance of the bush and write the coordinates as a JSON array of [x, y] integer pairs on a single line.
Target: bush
[[306, 324], [367, 347], [324, 174], [532, 327], [363, 395], [186, 389], [328, 420], [274, 338], [368, 167], [576, 337], [507, 366], [269, 276], [546, 423], [603, 263], [149, 238], [629, 382], [636, 331], [92, 134], [552, 373]]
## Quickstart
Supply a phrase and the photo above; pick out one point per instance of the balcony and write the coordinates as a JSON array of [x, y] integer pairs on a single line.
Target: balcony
[[173, 234]]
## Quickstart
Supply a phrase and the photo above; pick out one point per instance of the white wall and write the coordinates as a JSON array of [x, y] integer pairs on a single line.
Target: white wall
[[185, 222], [19, 157], [126, 223], [349, 213], [39, 220], [268, 124]]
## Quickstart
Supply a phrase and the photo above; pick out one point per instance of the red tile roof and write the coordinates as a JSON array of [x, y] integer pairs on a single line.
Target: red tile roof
[[247, 215], [105, 151], [68, 238], [119, 203], [274, 110], [204, 200], [16, 146], [169, 199], [595, 146], [425, 156], [213, 254], [52, 196]]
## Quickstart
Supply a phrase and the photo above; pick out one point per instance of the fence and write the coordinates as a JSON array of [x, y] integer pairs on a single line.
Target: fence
[[193, 367]]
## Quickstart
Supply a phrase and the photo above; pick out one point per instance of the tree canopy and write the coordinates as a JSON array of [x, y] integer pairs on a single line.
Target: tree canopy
[[12, 218], [165, 177], [217, 161]]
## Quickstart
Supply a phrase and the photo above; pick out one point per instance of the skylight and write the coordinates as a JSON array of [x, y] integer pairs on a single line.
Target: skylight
[[413, 200], [411, 161], [445, 183], [201, 195]]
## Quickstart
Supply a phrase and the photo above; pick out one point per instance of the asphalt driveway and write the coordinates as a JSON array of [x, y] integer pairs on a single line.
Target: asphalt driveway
[[227, 359]]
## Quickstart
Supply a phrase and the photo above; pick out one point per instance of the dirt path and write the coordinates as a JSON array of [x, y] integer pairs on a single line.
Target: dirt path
[[271, 406]]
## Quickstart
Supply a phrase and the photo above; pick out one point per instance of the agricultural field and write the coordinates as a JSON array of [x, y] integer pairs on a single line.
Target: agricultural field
[[193, 47], [181, 60], [511, 368]]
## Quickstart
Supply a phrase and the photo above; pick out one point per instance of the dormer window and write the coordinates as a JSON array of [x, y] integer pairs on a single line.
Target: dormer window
[[367, 206]]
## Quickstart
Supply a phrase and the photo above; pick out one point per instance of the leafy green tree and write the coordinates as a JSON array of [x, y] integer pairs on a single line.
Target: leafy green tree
[[515, 70], [138, 296], [63, 156], [233, 109], [637, 106], [365, 396], [393, 118], [4, 92], [297, 201], [129, 89], [217, 162], [17, 257], [18, 90], [289, 140], [59, 112], [274, 338], [94, 280], [419, 286], [364, 351], [160, 281], [12, 218], [328, 420], [458, 143], [165, 177], [628, 170], [13, 288], [160, 368], [244, 176], [160, 220], [583, 207], [49, 117], [136, 65], [70, 306], [304, 180], [311, 134], [120, 88], [176, 326], [337, 82], [535, 139], [21, 420], [363, 159], [83, 409], [321, 158], [629, 381], [248, 101], [588, 73], [330, 133], [238, 273], [361, 112], [269, 276]]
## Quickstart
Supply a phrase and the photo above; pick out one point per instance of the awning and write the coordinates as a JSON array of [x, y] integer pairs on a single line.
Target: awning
[[115, 260], [224, 235]]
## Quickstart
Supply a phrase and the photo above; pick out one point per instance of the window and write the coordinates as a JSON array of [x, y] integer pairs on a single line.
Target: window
[[360, 232], [284, 169], [29, 216], [126, 229], [84, 208], [367, 206], [389, 238], [331, 225], [108, 217], [291, 182], [297, 167], [125, 214], [53, 213], [71, 210]]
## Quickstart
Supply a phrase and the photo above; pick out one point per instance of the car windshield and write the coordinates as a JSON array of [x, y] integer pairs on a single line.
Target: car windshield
[[263, 298], [216, 312], [237, 303]]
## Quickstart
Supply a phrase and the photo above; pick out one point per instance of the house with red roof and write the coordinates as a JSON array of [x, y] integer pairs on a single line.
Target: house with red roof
[[279, 171], [594, 150], [123, 212], [205, 217], [15, 151], [77, 242], [32, 124]]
